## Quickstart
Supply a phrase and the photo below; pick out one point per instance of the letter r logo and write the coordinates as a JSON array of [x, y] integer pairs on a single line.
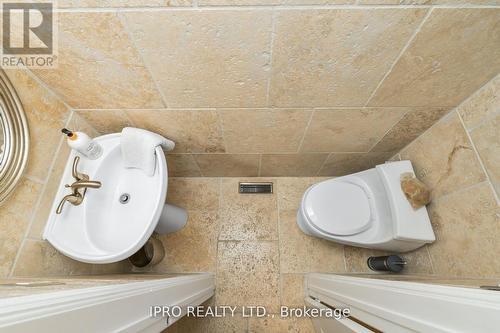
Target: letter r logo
[[27, 28]]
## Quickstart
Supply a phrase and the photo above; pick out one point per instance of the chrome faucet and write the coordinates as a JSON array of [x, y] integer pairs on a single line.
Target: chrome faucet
[[78, 188]]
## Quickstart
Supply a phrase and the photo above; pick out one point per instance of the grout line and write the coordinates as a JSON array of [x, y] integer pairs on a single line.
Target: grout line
[[264, 108], [323, 165], [390, 129], [306, 129], [345, 260], [197, 165], [39, 199], [445, 116], [403, 51], [128, 118], [460, 190], [278, 229], [281, 153], [449, 114], [271, 48], [477, 91], [220, 125], [197, 6], [430, 259], [34, 179], [259, 171], [219, 228], [123, 21], [46, 87], [485, 170]]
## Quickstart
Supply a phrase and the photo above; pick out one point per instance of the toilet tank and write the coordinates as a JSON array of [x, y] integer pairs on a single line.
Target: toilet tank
[[408, 224]]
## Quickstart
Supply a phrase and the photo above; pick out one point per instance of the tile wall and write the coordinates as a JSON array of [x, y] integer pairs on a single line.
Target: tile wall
[[459, 159], [273, 87]]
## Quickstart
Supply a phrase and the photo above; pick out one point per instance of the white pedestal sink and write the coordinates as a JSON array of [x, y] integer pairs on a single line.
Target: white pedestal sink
[[114, 221]]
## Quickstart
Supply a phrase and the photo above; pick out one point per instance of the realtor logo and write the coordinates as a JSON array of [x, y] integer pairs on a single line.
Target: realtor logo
[[28, 31]]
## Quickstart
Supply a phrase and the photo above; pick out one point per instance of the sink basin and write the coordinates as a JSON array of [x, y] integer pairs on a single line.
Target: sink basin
[[106, 227]]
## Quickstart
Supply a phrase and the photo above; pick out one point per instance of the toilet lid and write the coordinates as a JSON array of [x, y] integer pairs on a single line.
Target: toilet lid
[[338, 208]]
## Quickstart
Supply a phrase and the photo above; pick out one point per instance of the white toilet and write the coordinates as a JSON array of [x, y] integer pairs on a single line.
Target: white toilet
[[366, 209]]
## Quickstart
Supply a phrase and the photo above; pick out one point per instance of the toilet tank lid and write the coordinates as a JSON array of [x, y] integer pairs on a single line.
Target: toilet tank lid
[[408, 224]]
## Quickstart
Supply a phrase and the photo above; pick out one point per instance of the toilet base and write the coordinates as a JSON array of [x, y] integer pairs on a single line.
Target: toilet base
[[172, 219]]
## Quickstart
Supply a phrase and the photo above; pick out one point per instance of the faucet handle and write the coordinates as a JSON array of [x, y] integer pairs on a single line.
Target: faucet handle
[[77, 175]]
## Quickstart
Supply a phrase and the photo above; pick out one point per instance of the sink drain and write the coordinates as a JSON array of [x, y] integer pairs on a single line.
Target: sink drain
[[124, 198]]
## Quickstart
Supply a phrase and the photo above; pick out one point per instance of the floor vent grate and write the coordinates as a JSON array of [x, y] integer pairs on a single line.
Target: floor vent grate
[[253, 188]]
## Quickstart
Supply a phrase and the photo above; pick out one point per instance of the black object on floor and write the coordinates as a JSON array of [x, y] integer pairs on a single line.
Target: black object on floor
[[392, 263]]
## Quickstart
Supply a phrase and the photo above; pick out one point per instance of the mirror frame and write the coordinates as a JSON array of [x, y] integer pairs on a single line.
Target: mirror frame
[[16, 134]]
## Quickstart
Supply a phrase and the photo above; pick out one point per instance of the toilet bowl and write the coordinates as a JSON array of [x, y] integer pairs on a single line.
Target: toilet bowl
[[366, 209]]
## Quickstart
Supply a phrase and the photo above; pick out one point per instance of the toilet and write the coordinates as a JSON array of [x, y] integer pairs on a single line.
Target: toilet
[[366, 209]]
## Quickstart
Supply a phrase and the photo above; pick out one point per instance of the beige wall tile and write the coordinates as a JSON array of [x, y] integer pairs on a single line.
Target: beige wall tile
[[78, 123], [98, 66], [280, 325], [315, 63], [241, 269], [349, 130], [182, 165], [15, 218], [194, 247], [263, 130], [272, 2], [318, 2], [481, 104], [106, 121], [341, 164], [238, 2], [288, 165], [192, 131], [292, 290], [49, 193], [206, 58], [428, 2], [247, 216], [228, 165], [414, 123], [122, 3], [194, 193], [443, 157], [39, 258], [291, 190], [395, 158], [486, 138], [454, 54], [46, 116], [466, 224]]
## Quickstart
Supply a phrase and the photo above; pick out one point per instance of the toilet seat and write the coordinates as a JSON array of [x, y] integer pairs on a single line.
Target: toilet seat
[[340, 208]]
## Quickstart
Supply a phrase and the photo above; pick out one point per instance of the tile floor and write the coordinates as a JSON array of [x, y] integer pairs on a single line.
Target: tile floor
[[253, 245]]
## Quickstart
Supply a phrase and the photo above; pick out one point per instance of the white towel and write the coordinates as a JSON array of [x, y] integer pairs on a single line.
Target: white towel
[[138, 148]]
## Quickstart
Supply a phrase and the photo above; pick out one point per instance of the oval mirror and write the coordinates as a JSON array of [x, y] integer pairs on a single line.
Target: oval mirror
[[14, 138]]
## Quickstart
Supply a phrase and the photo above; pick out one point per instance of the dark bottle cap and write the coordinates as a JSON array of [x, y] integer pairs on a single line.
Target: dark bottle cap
[[67, 132]]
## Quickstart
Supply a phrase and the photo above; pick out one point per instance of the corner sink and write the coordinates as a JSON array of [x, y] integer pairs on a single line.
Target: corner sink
[[114, 221]]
